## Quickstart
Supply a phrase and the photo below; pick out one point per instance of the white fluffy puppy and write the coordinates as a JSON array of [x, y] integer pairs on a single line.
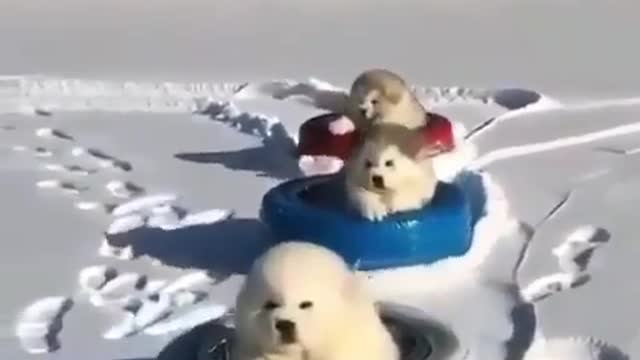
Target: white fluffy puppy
[[392, 171], [381, 96], [300, 301]]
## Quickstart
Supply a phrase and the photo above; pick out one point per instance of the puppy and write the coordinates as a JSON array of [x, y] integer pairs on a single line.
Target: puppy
[[301, 302], [381, 96], [392, 171]]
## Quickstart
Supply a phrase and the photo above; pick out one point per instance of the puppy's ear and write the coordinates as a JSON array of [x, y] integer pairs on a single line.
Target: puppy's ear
[[394, 93], [427, 151], [354, 287]]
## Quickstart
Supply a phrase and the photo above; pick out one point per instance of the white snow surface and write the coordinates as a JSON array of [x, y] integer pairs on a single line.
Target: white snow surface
[[167, 121]]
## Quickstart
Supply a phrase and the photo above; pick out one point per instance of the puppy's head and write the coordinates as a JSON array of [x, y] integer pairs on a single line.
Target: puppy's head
[[387, 157], [295, 297], [376, 92]]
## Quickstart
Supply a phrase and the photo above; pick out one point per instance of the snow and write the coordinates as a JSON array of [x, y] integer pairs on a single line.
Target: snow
[[171, 122]]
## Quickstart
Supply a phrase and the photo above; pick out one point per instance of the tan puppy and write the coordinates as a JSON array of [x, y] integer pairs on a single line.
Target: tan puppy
[[381, 96], [392, 171], [300, 301]]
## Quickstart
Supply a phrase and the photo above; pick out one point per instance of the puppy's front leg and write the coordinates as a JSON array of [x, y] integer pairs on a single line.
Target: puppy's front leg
[[369, 204], [407, 200]]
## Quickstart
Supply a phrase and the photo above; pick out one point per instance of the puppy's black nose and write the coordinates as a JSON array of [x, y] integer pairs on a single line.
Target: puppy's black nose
[[377, 181], [363, 112], [287, 330]]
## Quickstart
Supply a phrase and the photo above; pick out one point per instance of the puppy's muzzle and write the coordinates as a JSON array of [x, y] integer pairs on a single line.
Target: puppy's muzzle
[[365, 111], [378, 182], [287, 331]]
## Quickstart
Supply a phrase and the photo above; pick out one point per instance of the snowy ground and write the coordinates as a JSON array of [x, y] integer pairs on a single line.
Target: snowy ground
[[105, 125]]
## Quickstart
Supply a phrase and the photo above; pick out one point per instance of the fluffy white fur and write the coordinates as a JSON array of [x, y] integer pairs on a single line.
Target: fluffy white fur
[[330, 314], [381, 96], [391, 172]]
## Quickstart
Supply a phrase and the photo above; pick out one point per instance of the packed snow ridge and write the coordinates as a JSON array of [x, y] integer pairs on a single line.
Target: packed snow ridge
[[41, 95]]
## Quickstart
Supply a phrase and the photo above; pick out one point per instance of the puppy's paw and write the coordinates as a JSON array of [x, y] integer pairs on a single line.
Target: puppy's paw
[[374, 211], [409, 201]]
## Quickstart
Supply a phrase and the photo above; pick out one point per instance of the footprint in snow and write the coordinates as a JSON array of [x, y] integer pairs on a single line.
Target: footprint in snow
[[123, 290], [39, 151], [573, 257], [146, 312], [575, 253], [106, 286], [549, 285], [66, 186], [103, 159], [50, 133], [40, 323], [146, 304], [70, 169], [89, 205], [152, 211], [93, 278], [124, 189]]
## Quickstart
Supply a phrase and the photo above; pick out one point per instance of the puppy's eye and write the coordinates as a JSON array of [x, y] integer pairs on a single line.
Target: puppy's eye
[[270, 305], [306, 305], [374, 101], [368, 164], [388, 163]]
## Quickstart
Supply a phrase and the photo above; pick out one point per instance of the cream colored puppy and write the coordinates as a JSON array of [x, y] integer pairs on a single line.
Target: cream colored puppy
[[381, 96], [301, 302], [392, 171]]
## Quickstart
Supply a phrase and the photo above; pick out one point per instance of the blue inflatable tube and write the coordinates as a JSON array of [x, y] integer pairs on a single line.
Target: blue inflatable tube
[[313, 209]]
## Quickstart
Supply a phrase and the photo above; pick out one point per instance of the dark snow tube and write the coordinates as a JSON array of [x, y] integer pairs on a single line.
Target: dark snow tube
[[312, 209], [419, 338]]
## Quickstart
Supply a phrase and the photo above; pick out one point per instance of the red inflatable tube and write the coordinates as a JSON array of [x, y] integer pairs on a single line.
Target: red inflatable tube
[[316, 139]]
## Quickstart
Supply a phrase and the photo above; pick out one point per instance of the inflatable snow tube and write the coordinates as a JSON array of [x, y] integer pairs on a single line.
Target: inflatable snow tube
[[418, 337], [313, 209], [316, 139]]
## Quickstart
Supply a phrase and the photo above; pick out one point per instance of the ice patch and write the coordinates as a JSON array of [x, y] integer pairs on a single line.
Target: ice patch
[[206, 217], [144, 204], [188, 320], [126, 223]]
